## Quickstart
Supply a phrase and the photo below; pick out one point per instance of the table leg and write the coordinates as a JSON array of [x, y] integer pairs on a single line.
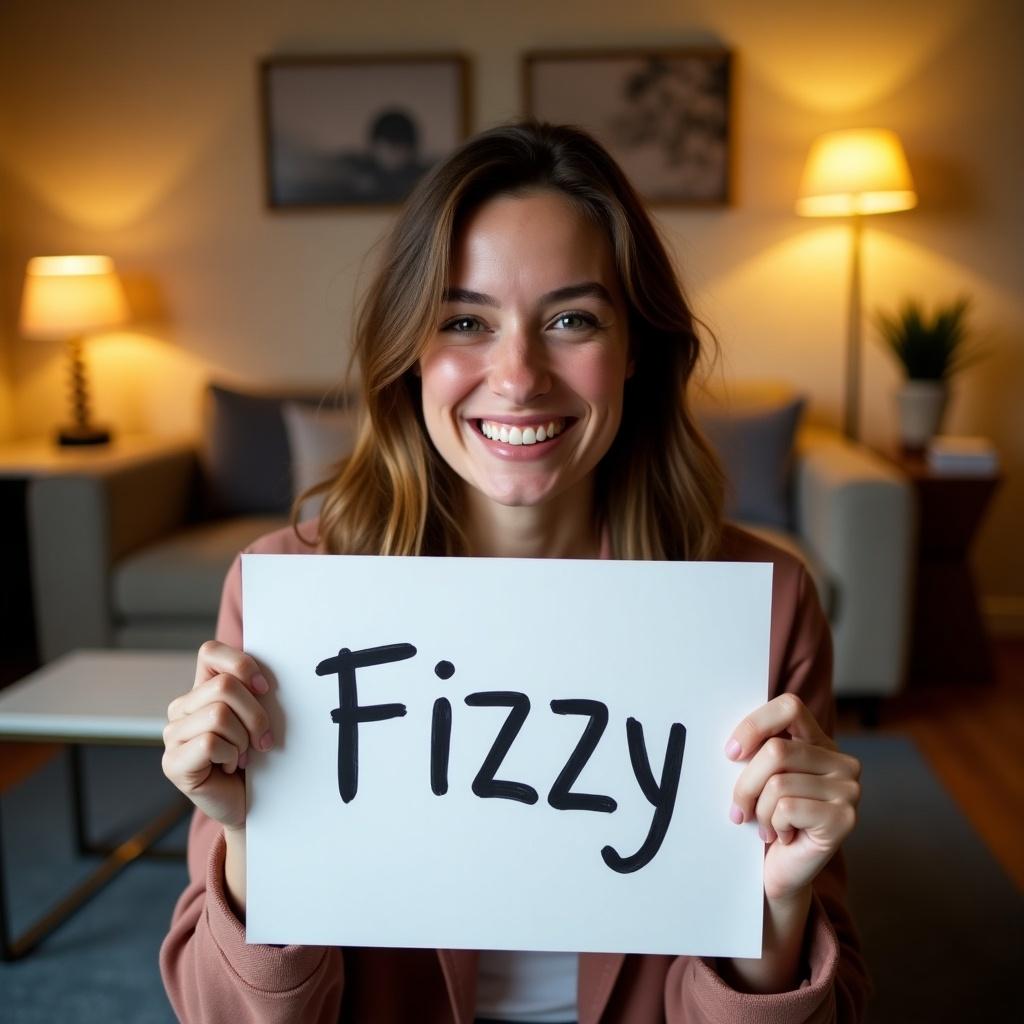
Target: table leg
[[5, 929], [79, 814]]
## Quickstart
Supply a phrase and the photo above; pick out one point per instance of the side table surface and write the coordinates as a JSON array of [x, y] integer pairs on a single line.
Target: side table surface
[[36, 457], [112, 695]]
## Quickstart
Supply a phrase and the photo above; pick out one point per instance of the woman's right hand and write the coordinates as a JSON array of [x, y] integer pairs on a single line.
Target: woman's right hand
[[211, 728]]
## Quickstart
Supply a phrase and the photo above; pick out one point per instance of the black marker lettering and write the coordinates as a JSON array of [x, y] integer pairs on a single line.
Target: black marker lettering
[[441, 734], [663, 797], [348, 716], [440, 745], [561, 796], [485, 784]]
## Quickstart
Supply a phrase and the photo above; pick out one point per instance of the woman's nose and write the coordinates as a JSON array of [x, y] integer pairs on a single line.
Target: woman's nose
[[519, 370]]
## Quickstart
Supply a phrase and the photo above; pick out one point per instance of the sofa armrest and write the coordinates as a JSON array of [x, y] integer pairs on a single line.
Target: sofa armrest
[[854, 512], [81, 522]]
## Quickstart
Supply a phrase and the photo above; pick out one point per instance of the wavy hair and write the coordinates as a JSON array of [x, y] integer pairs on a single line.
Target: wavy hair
[[659, 489]]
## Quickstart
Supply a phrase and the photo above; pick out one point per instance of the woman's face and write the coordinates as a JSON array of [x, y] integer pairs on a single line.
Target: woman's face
[[523, 379]]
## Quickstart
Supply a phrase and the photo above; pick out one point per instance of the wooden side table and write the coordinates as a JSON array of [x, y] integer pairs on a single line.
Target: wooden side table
[[949, 643]]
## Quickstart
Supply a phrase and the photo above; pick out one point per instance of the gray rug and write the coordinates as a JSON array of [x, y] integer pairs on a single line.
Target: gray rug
[[942, 925], [941, 922], [102, 964]]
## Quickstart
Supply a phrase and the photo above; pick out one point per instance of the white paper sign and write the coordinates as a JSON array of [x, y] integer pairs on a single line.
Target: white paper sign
[[542, 767]]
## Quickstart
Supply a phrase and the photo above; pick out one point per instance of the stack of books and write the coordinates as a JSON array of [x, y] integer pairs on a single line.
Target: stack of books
[[962, 456]]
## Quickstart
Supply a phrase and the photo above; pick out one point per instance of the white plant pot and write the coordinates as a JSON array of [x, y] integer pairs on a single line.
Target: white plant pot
[[922, 404]]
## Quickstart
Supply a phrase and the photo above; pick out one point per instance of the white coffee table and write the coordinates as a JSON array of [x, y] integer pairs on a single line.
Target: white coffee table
[[116, 697]]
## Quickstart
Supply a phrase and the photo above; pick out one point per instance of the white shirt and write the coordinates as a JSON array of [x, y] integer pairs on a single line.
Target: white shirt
[[527, 987]]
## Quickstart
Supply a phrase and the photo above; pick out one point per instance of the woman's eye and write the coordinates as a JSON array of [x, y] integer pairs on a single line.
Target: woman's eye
[[459, 325], [579, 320]]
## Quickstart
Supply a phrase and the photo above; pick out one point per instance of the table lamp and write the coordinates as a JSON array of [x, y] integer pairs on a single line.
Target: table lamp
[[853, 173], [65, 298]]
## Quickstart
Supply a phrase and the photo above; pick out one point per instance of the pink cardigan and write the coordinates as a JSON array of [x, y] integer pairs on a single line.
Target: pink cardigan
[[212, 975]]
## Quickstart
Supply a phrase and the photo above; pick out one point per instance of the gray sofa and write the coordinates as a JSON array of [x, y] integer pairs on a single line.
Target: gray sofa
[[135, 557]]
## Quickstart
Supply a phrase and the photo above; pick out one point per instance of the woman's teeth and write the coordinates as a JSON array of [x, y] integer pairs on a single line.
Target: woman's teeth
[[521, 435]]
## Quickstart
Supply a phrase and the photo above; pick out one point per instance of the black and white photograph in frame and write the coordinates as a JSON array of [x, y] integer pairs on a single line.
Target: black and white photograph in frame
[[358, 130], [664, 115]]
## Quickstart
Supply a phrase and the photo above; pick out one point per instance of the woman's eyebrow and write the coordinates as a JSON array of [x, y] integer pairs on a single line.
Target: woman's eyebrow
[[473, 298], [572, 291], [593, 289]]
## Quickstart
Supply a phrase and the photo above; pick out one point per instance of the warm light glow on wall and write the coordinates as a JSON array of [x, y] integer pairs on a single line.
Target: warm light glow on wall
[[839, 59], [856, 171], [148, 385]]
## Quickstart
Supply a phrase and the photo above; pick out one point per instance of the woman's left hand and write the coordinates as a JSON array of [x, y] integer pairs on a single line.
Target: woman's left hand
[[801, 789]]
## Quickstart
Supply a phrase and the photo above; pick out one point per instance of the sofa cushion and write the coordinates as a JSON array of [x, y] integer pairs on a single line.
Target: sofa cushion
[[246, 457], [753, 438], [182, 576]]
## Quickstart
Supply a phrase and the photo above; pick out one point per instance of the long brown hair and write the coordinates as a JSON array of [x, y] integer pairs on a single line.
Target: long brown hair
[[659, 489]]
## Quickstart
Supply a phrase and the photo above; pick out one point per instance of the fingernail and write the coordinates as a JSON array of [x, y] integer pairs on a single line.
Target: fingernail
[[259, 683], [732, 748], [736, 814], [266, 740], [762, 834], [243, 759]]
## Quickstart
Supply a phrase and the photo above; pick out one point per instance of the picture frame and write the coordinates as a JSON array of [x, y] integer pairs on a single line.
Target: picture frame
[[664, 114], [358, 130]]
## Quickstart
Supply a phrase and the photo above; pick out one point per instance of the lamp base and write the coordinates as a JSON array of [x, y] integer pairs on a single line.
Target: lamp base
[[82, 436]]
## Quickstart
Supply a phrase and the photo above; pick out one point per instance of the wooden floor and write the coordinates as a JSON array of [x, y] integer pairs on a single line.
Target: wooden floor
[[18, 760], [972, 736]]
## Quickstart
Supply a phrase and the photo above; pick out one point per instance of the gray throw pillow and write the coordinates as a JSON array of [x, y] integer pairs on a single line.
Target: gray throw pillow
[[317, 439], [247, 457], [755, 447]]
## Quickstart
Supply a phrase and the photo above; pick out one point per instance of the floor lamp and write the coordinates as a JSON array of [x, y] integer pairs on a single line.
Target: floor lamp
[[854, 173], [65, 298]]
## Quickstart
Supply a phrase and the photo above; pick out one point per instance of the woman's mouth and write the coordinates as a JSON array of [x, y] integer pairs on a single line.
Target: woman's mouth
[[514, 434]]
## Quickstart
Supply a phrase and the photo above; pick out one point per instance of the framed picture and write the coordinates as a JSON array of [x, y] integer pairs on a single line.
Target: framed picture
[[358, 130], [663, 114]]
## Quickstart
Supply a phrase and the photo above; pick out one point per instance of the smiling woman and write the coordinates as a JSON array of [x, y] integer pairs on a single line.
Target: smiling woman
[[525, 273], [525, 352]]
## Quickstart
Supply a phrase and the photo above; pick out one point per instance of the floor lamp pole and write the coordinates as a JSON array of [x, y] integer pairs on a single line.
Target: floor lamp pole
[[851, 424]]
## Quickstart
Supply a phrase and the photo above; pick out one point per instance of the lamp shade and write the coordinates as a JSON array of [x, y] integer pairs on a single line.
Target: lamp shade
[[66, 296], [856, 171]]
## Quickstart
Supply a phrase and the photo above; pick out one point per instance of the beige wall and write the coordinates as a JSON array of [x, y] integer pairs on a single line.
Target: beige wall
[[132, 129]]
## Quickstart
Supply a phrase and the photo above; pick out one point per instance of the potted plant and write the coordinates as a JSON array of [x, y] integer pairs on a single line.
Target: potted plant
[[931, 350]]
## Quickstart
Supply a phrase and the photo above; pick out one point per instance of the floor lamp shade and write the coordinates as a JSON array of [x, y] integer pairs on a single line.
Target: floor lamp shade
[[66, 297], [853, 173], [856, 171]]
